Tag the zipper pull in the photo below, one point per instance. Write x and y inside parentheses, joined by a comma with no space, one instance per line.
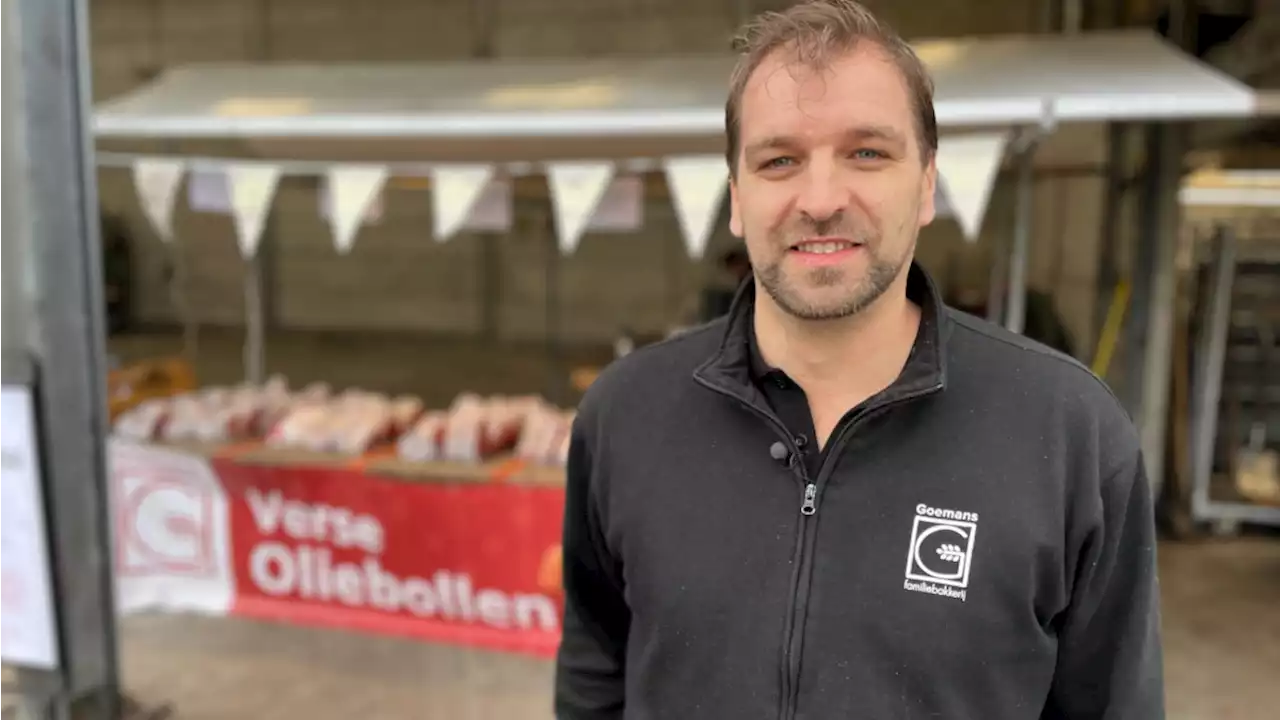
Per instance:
(810,505)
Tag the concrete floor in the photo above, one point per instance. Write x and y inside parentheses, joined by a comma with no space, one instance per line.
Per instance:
(1222,640)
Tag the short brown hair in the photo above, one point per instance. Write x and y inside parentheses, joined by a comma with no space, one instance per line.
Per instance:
(816,29)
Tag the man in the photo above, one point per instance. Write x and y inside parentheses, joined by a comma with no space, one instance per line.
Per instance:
(844,499)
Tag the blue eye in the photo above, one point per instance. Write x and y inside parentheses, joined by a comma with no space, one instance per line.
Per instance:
(776,162)
(866,154)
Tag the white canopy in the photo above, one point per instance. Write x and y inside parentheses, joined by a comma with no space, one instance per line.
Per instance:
(581,121)
(980,82)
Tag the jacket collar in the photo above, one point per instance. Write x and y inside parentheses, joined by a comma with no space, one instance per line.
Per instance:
(730,367)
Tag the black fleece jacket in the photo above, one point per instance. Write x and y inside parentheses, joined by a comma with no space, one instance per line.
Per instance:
(978,543)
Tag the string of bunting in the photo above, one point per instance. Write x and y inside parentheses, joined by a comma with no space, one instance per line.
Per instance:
(585,195)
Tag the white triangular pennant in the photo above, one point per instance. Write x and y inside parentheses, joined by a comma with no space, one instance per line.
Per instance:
(454,191)
(697,186)
(492,211)
(352,190)
(967,166)
(157,181)
(253,186)
(576,189)
(621,207)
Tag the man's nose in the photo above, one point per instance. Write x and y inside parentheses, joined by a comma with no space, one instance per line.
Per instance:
(822,195)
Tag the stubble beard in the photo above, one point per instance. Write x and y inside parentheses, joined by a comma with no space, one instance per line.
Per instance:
(788,293)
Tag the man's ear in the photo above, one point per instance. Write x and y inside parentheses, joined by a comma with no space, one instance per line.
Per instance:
(735,213)
(928,191)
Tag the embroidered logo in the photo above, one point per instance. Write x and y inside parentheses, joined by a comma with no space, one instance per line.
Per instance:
(941,552)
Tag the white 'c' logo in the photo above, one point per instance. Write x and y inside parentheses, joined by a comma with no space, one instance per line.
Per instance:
(168,523)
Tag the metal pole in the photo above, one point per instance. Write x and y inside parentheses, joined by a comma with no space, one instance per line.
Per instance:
(1142,263)
(1161,239)
(1108,276)
(1072,16)
(1167,143)
(19,273)
(1211,350)
(1016,297)
(997,275)
(558,380)
(54,222)
(254,350)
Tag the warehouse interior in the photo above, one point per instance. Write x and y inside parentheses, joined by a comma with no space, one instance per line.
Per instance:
(1146,246)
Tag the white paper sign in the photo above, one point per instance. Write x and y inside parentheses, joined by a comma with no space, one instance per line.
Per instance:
(157,181)
(455,190)
(576,189)
(253,187)
(621,208)
(967,166)
(352,191)
(28,629)
(697,185)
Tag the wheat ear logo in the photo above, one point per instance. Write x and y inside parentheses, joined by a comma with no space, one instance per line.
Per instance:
(941,551)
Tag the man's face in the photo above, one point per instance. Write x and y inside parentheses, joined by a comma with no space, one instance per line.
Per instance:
(830,190)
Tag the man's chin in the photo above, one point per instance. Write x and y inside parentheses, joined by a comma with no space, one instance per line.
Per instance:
(818,305)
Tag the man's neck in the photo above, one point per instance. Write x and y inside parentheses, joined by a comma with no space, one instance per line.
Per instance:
(853,357)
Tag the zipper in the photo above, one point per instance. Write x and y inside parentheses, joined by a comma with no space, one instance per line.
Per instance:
(810,504)
(802,578)
(797,604)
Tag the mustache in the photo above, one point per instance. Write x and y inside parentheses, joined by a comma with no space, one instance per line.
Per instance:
(837,226)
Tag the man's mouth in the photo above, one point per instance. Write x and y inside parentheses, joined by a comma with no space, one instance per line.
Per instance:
(825,246)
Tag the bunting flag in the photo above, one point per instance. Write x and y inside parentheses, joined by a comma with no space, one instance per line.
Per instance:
(967,167)
(253,187)
(455,189)
(621,208)
(352,192)
(576,189)
(585,196)
(157,181)
(493,211)
(697,185)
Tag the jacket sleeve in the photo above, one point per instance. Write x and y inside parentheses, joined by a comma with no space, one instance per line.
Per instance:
(1110,664)
(589,682)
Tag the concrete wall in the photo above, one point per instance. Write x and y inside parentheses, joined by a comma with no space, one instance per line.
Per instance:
(397,279)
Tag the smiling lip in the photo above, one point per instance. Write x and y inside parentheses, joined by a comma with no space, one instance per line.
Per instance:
(824,250)
(825,246)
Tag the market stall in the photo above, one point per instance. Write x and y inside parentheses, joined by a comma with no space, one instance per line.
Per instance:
(343,508)
(348,510)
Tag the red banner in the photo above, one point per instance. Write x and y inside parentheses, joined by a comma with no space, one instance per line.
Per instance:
(474,563)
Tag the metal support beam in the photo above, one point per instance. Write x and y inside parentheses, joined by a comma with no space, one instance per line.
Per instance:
(1108,276)
(255,336)
(1160,243)
(1015,310)
(1166,146)
(53,210)
(1211,351)
(1072,16)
